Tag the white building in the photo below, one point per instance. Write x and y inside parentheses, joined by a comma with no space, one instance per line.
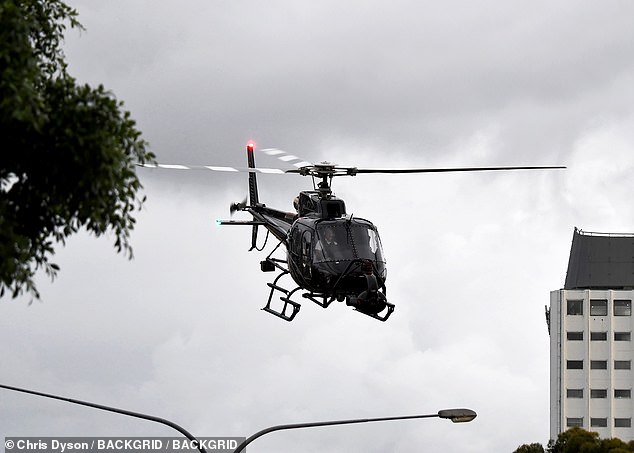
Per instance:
(591,349)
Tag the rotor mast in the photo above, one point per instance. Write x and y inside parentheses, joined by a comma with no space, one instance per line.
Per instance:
(324,171)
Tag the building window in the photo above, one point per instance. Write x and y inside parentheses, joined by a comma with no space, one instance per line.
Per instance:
(574,336)
(598,307)
(574,364)
(622,336)
(622,393)
(598,393)
(598,364)
(622,364)
(622,308)
(599,422)
(576,421)
(622,422)
(575,307)
(598,336)
(574,393)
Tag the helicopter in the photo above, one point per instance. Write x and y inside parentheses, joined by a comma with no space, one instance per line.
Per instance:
(330,255)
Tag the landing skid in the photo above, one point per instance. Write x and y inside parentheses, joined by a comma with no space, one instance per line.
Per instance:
(290,308)
(324,302)
(386,314)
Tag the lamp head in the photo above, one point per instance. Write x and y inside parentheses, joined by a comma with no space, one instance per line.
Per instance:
(458,415)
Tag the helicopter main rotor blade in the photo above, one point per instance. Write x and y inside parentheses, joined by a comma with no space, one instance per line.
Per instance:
(285,157)
(334,170)
(326,169)
(215,168)
(282,156)
(448,170)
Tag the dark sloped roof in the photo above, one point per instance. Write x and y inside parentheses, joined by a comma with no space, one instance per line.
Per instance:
(600,261)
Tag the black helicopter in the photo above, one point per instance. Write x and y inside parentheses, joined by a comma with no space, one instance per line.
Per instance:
(330,255)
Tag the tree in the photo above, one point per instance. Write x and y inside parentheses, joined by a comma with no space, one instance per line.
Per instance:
(575,440)
(530,448)
(69,150)
(578,440)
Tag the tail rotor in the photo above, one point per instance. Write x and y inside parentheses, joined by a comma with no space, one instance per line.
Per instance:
(237,206)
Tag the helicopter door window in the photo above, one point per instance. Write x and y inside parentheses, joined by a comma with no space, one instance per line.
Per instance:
(307,239)
(296,243)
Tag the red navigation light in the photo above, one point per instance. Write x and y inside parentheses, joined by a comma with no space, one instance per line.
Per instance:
(250,146)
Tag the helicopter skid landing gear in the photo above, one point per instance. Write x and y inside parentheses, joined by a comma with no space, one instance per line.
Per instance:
(324,302)
(389,308)
(286,298)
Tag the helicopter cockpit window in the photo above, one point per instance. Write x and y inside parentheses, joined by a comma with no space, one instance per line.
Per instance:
(375,244)
(346,241)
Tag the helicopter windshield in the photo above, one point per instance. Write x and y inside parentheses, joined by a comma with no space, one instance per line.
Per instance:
(346,241)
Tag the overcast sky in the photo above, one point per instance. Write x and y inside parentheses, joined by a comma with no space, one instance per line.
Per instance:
(178,331)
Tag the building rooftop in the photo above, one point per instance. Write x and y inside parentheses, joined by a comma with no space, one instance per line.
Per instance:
(600,261)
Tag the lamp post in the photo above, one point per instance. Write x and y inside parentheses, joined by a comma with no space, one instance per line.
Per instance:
(151,418)
(455,415)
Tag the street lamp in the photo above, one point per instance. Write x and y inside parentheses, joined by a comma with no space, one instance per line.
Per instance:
(455,415)
(458,415)
(151,418)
